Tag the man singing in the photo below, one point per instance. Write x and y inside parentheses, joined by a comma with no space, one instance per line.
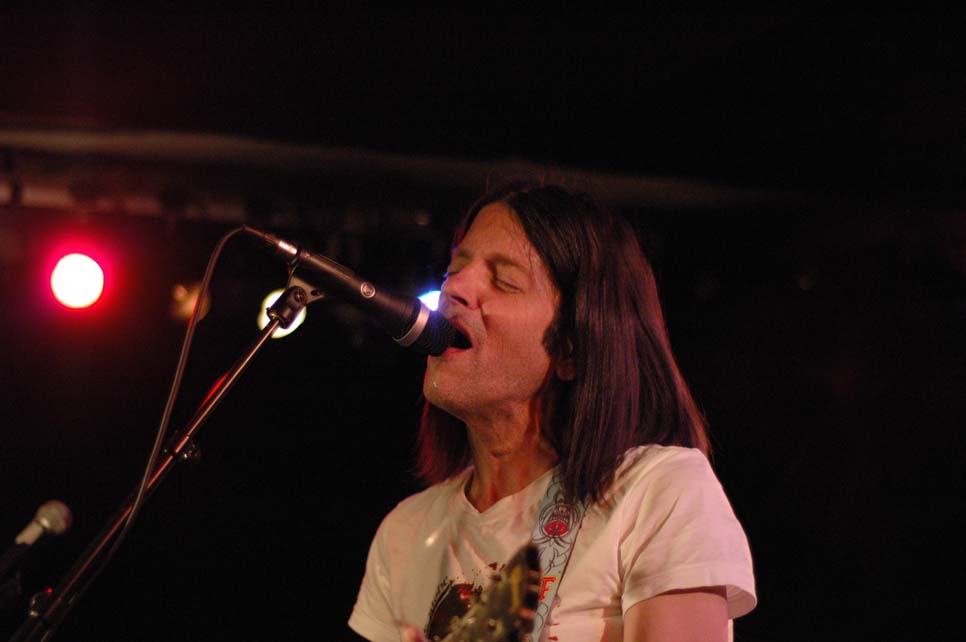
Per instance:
(563,420)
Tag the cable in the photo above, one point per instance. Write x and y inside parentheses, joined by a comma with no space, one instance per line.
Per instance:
(166,415)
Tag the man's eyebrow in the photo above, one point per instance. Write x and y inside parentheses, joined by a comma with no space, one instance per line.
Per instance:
(497,258)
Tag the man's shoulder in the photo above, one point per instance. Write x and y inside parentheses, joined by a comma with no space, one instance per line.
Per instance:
(660,466)
(656,459)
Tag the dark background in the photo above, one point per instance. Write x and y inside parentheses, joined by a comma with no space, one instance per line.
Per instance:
(797,179)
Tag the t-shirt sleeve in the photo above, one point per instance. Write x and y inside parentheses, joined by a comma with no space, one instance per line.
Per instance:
(372,616)
(679,531)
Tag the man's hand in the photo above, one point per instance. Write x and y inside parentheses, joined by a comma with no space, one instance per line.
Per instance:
(412,634)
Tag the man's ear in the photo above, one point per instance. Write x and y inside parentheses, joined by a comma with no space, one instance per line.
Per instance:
(565,368)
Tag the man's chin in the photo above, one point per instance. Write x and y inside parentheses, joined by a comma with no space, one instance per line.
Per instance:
(442,396)
(436,395)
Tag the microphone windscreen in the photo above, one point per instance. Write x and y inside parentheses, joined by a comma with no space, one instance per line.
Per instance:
(55,517)
(436,337)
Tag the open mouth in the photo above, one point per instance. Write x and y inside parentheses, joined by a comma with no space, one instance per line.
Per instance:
(461,341)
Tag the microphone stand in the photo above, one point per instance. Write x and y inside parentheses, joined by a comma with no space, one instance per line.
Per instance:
(49,607)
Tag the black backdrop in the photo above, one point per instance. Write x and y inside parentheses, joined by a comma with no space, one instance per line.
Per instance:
(823,337)
(832,379)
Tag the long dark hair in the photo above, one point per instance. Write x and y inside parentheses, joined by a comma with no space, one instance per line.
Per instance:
(626,388)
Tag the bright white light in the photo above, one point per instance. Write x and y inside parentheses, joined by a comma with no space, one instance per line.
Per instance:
(77,281)
(263,316)
(431,299)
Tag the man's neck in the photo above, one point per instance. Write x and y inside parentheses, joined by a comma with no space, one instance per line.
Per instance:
(506,460)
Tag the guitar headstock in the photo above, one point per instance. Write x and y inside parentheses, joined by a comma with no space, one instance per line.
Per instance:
(504,610)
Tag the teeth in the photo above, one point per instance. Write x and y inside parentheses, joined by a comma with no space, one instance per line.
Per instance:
(461,341)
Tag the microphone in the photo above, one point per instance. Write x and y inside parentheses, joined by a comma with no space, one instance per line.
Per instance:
(408,320)
(52,517)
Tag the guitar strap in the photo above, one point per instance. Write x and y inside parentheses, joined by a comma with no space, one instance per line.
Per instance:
(554,535)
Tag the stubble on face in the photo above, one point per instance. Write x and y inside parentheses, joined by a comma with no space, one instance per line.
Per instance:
(500,292)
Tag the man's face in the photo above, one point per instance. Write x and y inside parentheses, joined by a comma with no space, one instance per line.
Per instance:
(499,294)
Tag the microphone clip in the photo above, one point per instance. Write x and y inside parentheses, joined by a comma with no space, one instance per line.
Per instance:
(297,295)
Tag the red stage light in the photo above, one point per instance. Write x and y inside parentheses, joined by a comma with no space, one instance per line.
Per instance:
(77,281)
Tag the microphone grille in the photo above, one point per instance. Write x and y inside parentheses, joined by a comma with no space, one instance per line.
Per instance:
(55,517)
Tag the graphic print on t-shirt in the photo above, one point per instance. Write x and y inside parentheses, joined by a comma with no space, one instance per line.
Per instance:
(453,599)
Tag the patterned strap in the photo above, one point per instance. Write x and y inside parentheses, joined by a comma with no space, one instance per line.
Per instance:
(554,535)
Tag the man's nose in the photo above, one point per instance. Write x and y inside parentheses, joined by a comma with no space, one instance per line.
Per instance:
(461,288)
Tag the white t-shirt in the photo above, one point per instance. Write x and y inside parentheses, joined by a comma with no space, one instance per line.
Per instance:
(667,525)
